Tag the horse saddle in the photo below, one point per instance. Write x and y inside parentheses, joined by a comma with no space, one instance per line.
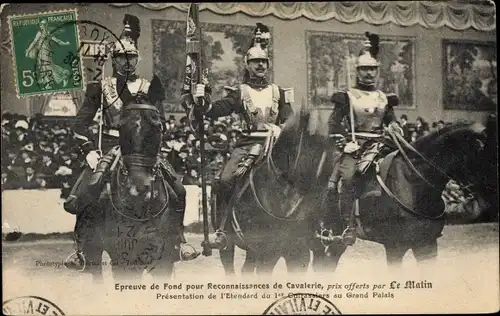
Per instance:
(370,187)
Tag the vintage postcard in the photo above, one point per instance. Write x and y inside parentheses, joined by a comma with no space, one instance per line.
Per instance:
(243,159)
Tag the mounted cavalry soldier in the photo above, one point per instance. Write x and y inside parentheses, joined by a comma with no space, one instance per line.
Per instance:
(262,106)
(361,116)
(108,97)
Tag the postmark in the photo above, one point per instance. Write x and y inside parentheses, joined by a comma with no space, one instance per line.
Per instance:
(95,50)
(30,305)
(40,47)
(302,304)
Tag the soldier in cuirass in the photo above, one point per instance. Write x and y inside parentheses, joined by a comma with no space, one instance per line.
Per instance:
(114,92)
(262,106)
(372,112)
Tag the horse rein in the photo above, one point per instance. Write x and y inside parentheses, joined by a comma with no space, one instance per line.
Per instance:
(143,162)
(398,138)
(279,175)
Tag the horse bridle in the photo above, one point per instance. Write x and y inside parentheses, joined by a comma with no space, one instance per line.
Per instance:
(280,175)
(399,138)
(140,161)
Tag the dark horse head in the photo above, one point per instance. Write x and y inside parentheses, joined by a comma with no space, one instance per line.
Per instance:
(141,135)
(300,151)
(276,211)
(466,152)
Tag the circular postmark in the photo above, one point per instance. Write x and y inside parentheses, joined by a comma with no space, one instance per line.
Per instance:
(302,304)
(30,305)
(55,65)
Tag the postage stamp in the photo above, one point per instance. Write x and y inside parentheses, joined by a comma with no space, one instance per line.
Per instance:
(43,46)
(302,304)
(30,305)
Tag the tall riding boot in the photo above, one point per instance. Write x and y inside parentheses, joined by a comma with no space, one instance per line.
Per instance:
(83,235)
(349,234)
(186,251)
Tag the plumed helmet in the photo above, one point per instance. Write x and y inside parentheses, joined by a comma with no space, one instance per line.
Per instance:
(368,55)
(260,42)
(128,39)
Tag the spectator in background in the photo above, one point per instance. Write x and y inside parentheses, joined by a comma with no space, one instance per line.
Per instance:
(24,160)
(9,180)
(191,178)
(404,126)
(434,127)
(413,136)
(184,161)
(420,126)
(49,168)
(66,186)
(440,125)
(20,137)
(426,131)
(29,180)
(40,179)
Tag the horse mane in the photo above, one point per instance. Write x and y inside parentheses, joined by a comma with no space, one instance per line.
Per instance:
(437,136)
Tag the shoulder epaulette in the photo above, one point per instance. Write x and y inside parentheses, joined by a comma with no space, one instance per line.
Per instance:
(289,95)
(340,98)
(392,99)
(229,88)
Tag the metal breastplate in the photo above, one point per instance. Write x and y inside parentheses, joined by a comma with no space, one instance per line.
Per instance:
(112,102)
(369,109)
(261,105)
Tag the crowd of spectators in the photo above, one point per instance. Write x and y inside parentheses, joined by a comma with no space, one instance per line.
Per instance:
(40,153)
(413,131)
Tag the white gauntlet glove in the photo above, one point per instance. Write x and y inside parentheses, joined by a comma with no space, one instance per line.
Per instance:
(395,128)
(201,93)
(92,159)
(351,147)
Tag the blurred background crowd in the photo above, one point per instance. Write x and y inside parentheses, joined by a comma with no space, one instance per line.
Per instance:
(40,154)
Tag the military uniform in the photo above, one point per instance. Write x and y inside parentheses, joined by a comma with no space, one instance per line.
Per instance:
(373,111)
(114,92)
(262,107)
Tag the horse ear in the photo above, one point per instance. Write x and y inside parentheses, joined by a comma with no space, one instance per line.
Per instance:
(156,92)
(305,114)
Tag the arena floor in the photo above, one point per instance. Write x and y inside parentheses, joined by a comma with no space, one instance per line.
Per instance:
(465,278)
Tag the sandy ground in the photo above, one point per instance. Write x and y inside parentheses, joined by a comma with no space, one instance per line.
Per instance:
(464,279)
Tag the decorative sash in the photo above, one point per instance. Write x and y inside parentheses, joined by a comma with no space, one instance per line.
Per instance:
(110,93)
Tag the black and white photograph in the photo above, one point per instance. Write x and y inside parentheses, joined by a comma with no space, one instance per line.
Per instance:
(281,158)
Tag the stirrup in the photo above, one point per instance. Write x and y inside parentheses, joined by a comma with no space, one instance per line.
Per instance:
(80,256)
(349,236)
(182,247)
(220,235)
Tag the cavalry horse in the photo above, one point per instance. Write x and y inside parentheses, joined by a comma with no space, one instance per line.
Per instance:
(134,209)
(273,209)
(410,213)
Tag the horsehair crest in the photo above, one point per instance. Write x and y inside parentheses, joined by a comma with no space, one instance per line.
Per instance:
(372,43)
(262,36)
(132,28)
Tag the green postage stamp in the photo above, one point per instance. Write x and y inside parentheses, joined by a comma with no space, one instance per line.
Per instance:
(45,50)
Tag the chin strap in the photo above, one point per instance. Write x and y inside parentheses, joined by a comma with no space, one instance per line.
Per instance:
(256,82)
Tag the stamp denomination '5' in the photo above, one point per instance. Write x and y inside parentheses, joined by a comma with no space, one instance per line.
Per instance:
(41,44)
